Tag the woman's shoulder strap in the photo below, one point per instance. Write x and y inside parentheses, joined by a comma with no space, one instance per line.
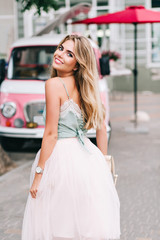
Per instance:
(64,87)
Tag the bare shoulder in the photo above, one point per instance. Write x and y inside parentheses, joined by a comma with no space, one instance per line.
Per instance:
(52,90)
(53,83)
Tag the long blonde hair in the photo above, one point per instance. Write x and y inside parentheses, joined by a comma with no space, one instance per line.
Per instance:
(86,77)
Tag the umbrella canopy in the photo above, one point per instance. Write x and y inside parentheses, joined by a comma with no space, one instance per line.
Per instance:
(132,14)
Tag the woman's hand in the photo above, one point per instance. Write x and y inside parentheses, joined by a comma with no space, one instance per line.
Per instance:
(35,184)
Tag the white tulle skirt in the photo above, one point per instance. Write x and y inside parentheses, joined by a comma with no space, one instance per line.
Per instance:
(76,199)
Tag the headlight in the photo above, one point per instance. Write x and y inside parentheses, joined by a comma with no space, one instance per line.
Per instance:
(18,122)
(8,109)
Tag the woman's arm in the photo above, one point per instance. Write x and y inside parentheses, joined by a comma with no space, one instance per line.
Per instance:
(101,137)
(52,93)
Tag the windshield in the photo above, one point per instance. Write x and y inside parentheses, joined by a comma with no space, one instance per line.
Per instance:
(31,63)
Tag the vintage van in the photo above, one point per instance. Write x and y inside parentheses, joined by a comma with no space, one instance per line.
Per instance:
(22,91)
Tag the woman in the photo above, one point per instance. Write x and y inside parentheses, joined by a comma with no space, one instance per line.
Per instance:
(72,194)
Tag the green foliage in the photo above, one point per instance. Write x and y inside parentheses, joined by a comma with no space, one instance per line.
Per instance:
(40,5)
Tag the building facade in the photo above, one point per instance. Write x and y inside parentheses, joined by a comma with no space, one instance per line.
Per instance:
(117,37)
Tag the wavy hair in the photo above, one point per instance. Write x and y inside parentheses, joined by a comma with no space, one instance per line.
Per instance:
(86,77)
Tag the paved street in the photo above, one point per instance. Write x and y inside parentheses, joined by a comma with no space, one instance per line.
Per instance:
(137,159)
(138,164)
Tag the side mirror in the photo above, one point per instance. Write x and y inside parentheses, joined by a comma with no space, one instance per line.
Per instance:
(104,65)
(2,70)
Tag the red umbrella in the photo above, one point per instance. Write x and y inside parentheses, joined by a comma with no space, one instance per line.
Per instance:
(135,15)
(132,14)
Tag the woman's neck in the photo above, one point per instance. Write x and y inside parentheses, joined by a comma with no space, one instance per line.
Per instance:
(65,74)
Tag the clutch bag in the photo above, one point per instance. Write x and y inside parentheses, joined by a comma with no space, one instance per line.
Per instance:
(111,164)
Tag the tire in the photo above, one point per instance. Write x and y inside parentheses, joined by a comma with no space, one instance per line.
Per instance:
(93,140)
(12,144)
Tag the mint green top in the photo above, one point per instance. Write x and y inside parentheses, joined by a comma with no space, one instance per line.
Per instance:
(70,122)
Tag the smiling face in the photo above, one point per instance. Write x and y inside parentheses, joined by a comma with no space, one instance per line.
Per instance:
(64,60)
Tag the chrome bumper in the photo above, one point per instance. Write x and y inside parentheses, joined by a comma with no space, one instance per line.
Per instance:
(21,132)
(36,132)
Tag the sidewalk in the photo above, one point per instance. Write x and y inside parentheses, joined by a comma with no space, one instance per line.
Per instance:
(137,159)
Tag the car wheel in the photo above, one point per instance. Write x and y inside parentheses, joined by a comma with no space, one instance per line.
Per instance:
(93,140)
(12,144)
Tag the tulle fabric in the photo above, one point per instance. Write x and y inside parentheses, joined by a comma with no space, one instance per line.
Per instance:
(76,199)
